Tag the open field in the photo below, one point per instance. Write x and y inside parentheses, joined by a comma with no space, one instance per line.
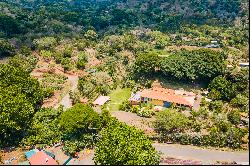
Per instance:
(117,97)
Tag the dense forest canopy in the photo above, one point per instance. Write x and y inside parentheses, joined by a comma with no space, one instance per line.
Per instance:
(57,15)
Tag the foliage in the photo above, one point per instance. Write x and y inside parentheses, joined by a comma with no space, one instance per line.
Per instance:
(82,60)
(46,43)
(234,117)
(85,87)
(6,49)
(66,64)
(27,62)
(241,102)
(219,89)
(9,25)
(76,145)
(105,117)
(145,65)
(53,81)
(125,145)
(19,97)
(216,106)
(202,65)
(24,50)
(79,119)
(146,112)
(125,106)
(67,52)
(229,86)
(44,127)
(74,96)
(169,121)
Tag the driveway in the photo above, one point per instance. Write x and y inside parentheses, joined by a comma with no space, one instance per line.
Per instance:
(66,101)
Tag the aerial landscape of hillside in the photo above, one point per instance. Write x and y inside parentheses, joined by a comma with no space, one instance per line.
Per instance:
(124,82)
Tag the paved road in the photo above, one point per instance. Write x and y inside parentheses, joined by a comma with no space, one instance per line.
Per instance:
(204,155)
(186,152)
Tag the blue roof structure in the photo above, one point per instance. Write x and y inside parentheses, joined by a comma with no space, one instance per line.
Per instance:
(30,153)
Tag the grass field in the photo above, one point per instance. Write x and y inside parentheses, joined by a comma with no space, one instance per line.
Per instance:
(117,97)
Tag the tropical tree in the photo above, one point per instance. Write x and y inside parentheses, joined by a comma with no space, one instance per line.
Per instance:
(145,65)
(120,144)
(20,96)
(79,119)
(170,121)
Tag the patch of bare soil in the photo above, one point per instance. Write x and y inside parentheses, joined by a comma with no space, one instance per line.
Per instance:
(134,120)
(10,153)
(43,67)
(52,101)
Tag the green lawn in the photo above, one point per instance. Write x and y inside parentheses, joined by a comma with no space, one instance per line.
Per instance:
(117,97)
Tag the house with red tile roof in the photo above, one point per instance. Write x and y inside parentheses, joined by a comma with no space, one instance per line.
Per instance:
(41,158)
(165,97)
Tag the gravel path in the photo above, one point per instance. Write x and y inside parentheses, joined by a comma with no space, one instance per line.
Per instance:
(66,101)
(205,155)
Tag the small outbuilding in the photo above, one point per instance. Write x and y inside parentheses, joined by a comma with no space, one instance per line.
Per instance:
(135,98)
(244,64)
(101,100)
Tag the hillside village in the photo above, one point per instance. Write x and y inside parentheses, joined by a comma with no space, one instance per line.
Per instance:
(85,83)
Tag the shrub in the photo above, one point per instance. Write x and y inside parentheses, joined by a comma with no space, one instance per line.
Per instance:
(6,49)
(66,64)
(135,109)
(46,43)
(82,60)
(146,112)
(67,52)
(216,106)
(79,119)
(125,106)
(74,96)
(234,117)
(240,101)
(46,54)
(169,121)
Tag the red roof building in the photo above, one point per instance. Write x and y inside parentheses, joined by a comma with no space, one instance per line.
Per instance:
(41,158)
(165,95)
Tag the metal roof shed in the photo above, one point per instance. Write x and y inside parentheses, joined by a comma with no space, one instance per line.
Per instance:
(101,100)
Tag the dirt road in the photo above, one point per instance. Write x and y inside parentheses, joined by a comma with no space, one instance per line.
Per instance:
(66,101)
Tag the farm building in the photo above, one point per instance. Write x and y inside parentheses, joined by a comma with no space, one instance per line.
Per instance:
(164,97)
(244,64)
(101,100)
(135,98)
